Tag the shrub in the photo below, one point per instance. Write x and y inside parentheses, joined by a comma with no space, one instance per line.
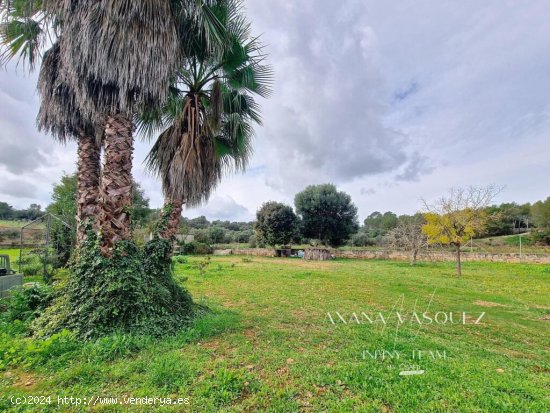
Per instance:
(180,259)
(32,268)
(541,237)
(197,248)
(130,292)
(25,304)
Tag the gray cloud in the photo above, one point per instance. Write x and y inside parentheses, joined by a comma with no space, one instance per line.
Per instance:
(17,157)
(367,191)
(408,98)
(17,188)
(416,167)
(222,208)
(326,120)
(22,148)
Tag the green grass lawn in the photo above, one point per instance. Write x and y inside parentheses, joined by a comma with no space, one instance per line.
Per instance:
(269,345)
(13,254)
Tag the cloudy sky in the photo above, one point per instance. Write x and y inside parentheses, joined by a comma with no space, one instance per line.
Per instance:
(391,101)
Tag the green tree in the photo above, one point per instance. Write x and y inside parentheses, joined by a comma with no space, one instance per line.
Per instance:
(327,214)
(373,221)
(111,65)
(389,221)
(6,211)
(141,212)
(119,59)
(217,235)
(540,211)
(64,205)
(276,224)
(376,225)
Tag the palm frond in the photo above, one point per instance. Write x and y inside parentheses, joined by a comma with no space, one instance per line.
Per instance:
(121,55)
(212,133)
(23,31)
(59,113)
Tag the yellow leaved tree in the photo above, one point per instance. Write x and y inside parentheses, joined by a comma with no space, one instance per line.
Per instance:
(455,218)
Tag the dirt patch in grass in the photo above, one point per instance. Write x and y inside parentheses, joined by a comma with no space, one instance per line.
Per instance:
(545,317)
(251,335)
(24,380)
(489,304)
(211,345)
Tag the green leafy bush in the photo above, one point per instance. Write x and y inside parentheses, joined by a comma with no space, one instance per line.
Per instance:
(541,237)
(130,292)
(197,248)
(27,303)
(32,269)
(180,259)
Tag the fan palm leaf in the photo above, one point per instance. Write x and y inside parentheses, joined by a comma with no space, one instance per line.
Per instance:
(207,130)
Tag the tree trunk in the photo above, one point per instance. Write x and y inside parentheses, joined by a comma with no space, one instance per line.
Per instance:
(115,191)
(458,263)
(89,168)
(173,220)
(413,256)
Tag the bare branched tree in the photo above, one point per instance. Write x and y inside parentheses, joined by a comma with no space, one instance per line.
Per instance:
(408,236)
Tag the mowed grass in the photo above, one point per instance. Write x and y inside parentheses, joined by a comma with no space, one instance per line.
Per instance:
(13,253)
(269,345)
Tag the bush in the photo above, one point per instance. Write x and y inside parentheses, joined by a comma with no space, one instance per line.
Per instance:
(217,235)
(243,237)
(541,237)
(180,259)
(31,269)
(25,304)
(130,292)
(361,239)
(202,235)
(197,248)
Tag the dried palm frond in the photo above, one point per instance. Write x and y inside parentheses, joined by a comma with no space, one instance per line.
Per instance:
(185,153)
(120,54)
(59,113)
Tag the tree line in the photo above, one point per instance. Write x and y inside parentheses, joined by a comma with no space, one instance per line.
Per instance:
(323,215)
(9,213)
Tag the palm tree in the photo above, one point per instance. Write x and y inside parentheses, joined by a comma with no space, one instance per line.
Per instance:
(23,30)
(61,117)
(23,33)
(118,59)
(209,115)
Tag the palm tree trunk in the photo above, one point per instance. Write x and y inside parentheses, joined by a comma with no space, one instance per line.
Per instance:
(115,191)
(175,206)
(89,168)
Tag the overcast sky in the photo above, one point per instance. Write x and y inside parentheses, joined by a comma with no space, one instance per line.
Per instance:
(391,101)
